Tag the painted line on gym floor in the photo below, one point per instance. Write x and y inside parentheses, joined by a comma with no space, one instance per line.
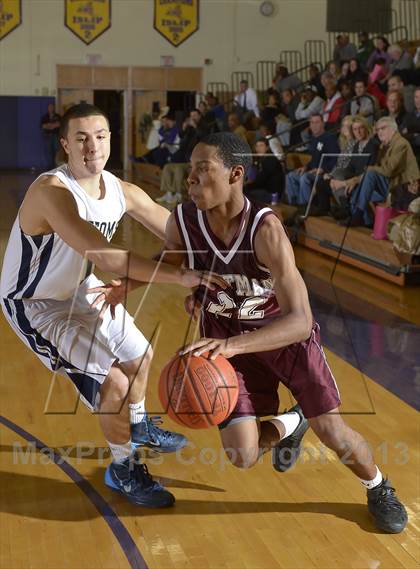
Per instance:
(134,557)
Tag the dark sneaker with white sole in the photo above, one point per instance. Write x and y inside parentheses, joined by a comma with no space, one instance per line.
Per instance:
(148,434)
(389,513)
(132,479)
(286,452)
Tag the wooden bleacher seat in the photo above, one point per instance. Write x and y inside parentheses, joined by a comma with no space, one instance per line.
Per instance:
(356,247)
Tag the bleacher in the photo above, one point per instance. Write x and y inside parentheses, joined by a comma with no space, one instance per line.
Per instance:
(354,246)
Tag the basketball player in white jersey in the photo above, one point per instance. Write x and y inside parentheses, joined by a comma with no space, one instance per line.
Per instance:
(63,228)
(263,323)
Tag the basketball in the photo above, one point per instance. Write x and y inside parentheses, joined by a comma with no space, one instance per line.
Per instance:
(197,392)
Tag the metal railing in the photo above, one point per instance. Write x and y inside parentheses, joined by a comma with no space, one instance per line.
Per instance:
(238,76)
(303,72)
(265,73)
(315,50)
(409,16)
(292,59)
(398,34)
(220,90)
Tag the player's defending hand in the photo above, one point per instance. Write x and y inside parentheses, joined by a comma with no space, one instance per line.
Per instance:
(111,294)
(215,347)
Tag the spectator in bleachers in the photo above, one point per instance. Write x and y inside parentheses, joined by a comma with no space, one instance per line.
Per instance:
(344,50)
(400,59)
(287,118)
(379,72)
(271,110)
(235,126)
(365,48)
(208,117)
(246,103)
(396,85)
(396,165)
(310,103)
(363,104)
(375,90)
(218,110)
(50,125)
(363,148)
(168,142)
(347,94)
(333,105)
(356,73)
(203,107)
(172,182)
(380,52)
(395,107)
(267,132)
(194,129)
(344,73)
(268,184)
(346,141)
(299,182)
(315,79)
(334,69)
(410,127)
(286,80)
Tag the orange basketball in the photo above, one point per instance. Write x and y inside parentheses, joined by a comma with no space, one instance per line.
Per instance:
(197,392)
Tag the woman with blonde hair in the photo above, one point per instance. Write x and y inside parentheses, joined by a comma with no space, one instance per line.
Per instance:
(358,150)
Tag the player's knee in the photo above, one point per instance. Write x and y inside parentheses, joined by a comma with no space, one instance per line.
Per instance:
(140,364)
(242,458)
(116,385)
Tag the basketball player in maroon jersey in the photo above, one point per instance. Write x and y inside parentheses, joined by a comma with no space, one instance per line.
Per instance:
(263,323)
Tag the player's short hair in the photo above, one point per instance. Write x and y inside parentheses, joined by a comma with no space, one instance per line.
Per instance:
(232,149)
(78,112)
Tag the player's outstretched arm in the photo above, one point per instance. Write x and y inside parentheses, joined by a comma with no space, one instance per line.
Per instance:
(59,212)
(143,209)
(273,250)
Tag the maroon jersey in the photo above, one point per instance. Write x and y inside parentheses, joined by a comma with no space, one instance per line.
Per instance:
(249,301)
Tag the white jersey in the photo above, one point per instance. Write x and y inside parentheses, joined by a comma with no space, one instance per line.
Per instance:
(44,266)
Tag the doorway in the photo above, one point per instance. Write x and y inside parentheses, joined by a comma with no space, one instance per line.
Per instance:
(180,102)
(112,104)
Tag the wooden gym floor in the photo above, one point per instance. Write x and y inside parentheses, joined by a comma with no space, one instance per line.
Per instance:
(56,511)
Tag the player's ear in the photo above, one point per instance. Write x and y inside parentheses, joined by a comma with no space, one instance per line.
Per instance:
(236,174)
(64,144)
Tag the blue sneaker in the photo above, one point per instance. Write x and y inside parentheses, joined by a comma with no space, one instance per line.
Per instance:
(148,434)
(286,452)
(132,479)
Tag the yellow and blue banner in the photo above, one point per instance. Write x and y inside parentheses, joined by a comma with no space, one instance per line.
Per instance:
(176,20)
(10,16)
(88,19)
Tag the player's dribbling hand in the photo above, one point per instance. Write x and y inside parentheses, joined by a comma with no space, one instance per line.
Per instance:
(192,307)
(215,347)
(111,294)
(192,279)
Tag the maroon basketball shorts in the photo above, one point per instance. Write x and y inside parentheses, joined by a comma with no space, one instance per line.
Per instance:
(301,367)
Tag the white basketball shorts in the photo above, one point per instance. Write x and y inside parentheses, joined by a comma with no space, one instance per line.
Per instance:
(69,337)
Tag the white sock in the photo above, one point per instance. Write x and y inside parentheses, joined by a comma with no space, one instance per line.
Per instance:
(137,411)
(120,452)
(369,484)
(290,421)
